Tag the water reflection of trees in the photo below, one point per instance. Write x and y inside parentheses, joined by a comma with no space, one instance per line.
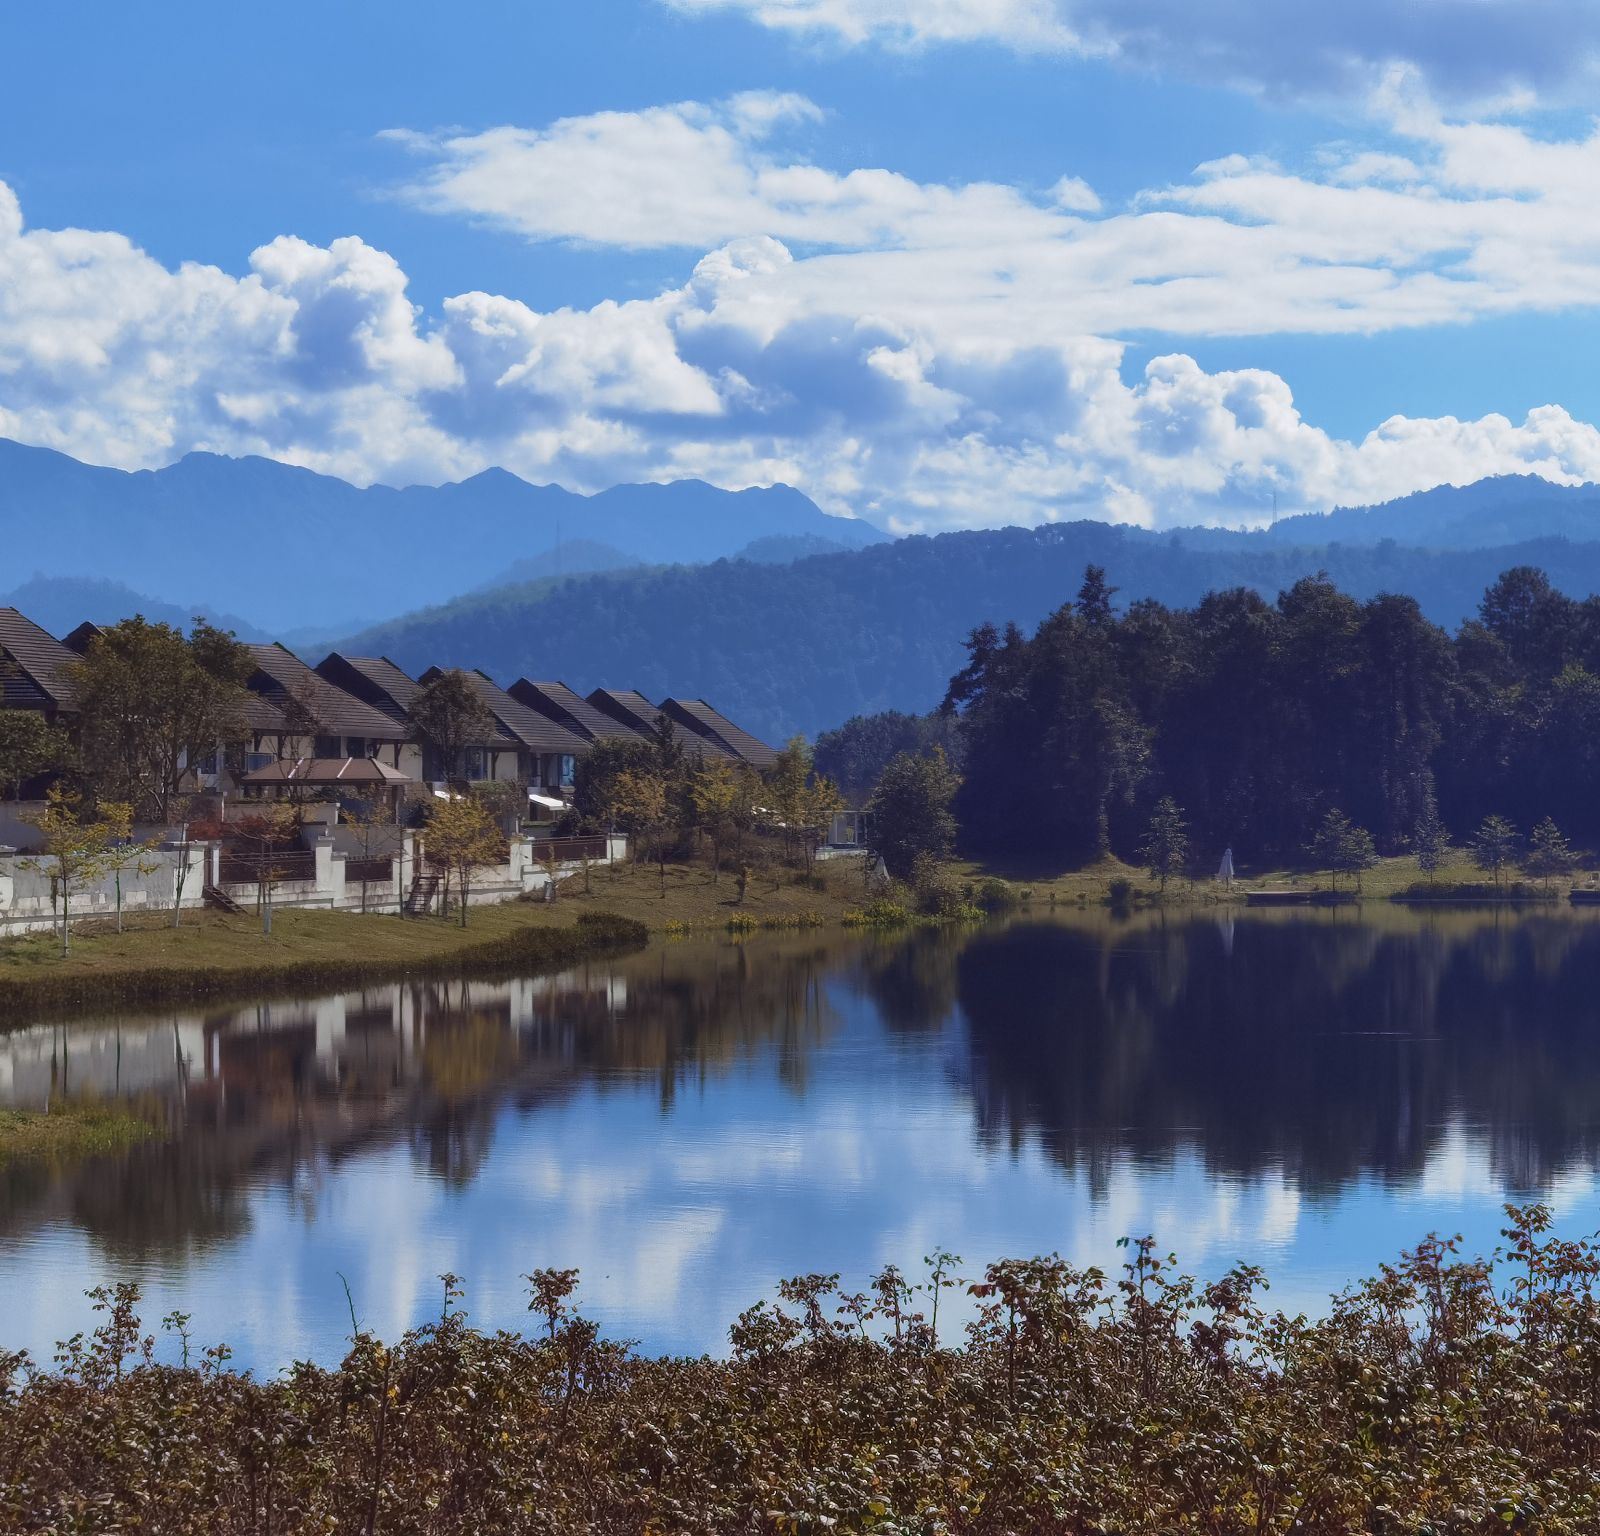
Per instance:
(272,1091)
(1328,1048)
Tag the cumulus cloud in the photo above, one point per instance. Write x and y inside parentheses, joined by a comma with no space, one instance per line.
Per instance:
(927,356)
(1465,49)
(693,175)
(1476,219)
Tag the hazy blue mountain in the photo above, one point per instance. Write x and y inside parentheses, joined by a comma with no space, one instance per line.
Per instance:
(293,548)
(61,603)
(572,557)
(801,647)
(1506,509)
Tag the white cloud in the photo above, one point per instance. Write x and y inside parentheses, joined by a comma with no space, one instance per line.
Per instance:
(1465,49)
(929,356)
(1479,219)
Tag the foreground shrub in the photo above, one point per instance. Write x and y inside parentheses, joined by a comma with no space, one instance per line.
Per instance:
(1443,1396)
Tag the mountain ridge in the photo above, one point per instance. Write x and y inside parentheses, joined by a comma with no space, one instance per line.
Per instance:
(801,647)
(292,547)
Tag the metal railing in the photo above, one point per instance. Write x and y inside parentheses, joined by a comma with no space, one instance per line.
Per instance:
(278,865)
(569,850)
(369,871)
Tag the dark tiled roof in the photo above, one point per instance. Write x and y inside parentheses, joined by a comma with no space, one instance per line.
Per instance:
(715,727)
(78,640)
(560,703)
(632,709)
(37,677)
(534,731)
(280,673)
(375,680)
(263,717)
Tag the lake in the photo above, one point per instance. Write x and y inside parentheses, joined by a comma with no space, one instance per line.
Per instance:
(1307,1091)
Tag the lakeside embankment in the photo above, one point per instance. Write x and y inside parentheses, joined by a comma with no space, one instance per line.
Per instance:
(213,956)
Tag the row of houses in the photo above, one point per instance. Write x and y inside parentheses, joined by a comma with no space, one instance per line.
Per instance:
(345,724)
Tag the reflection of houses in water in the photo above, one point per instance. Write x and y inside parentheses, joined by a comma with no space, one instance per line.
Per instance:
(357,1043)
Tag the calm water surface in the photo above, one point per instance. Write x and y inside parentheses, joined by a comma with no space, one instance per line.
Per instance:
(687,1126)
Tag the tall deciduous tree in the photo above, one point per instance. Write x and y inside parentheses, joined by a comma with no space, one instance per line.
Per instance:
(725,796)
(79,844)
(644,810)
(151,703)
(448,717)
(461,838)
(911,811)
(29,746)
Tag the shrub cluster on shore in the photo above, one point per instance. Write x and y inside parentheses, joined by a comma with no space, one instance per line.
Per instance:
(1443,1396)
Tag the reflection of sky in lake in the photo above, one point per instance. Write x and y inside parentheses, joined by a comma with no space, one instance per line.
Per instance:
(680,1216)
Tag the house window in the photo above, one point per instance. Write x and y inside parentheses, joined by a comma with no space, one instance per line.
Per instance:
(207,764)
(569,771)
(254,760)
(475,763)
(325,746)
(357,746)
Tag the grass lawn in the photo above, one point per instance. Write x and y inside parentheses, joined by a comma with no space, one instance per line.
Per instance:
(1092,883)
(694,900)
(68,1131)
(212,954)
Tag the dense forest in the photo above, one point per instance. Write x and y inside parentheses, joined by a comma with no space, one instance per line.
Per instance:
(786,648)
(1260,717)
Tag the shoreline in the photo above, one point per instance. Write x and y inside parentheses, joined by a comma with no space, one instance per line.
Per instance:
(287,969)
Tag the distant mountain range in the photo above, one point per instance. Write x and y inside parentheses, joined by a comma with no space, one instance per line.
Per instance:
(801,647)
(291,548)
(1507,509)
(787,618)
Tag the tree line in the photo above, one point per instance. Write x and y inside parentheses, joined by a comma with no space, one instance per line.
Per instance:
(1261,720)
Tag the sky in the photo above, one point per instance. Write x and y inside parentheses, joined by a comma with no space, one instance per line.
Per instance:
(938,263)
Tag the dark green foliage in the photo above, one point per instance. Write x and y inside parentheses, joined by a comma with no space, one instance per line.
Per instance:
(1548,854)
(1259,718)
(1429,839)
(1342,848)
(594,782)
(1165,849)
(29,746)
(911,812)
(1495,847)
(855,754)
(1445,1395)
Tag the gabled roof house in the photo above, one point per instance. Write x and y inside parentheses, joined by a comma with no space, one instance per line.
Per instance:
(568,708)
(547,750)
(711,725)
(342,724)
(34,667)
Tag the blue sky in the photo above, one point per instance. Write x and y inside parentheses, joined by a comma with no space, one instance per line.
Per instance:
(941,264)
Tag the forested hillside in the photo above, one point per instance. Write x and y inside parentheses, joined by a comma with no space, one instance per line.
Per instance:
(802,647)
